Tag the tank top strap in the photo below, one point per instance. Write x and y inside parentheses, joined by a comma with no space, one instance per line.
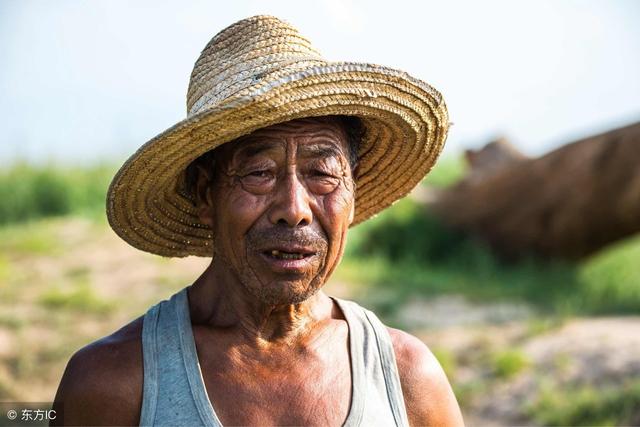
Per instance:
(372,340)
(389,369)
(150,366)
(191,362)
(173,390)
(357,338)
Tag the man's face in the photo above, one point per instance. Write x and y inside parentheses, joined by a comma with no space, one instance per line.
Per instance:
(283,199)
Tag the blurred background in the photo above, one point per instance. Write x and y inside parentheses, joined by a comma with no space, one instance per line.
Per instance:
(517,260)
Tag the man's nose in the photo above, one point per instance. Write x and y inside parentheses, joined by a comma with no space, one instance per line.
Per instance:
(292,203)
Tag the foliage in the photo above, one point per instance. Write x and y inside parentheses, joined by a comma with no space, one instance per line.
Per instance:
(407,233)
(588,405)
(447,360)
(81,299)
(405,248)
(29,239)
(446,172)
(30,191)
(409,250)
(611,278)
(509,363)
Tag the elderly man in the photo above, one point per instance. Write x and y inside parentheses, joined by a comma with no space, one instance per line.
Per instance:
(280,154)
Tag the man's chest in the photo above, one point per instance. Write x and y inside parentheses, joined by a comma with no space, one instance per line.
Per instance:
(289,389)
(280,399)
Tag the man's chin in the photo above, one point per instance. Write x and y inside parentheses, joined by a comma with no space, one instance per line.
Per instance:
(284,293)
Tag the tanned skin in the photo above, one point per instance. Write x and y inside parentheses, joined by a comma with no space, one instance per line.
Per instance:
(264,329)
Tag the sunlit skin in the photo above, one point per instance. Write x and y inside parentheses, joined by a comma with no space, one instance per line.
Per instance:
(285,188)
(272,346)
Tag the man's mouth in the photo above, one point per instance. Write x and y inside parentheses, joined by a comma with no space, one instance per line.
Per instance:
(282,254)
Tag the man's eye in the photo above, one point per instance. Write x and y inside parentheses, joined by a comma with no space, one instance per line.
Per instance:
(258,174)
(259,181)
(322,174)
(321,181)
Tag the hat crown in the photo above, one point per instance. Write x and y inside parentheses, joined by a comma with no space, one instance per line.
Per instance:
(242,55)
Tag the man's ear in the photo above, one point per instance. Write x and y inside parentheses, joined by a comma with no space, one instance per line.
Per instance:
(204,201)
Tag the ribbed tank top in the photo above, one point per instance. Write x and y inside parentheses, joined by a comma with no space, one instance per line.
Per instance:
(174,393)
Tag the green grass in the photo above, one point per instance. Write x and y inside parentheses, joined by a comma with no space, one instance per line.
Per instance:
(5,269)
(509,363)
(611,278)
(541,325)
(78,274)
(81,299)
(466,392)
(405,250)
(411,252)
(11,322)
(588,405)
(29,239)
(30,192)
(446,172)
(447,361)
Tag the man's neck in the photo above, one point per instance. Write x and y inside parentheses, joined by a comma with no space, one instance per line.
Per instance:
(218,300)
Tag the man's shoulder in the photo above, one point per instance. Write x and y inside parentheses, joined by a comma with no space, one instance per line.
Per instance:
(413,356)
(102,383)
(115,353)
(427,393)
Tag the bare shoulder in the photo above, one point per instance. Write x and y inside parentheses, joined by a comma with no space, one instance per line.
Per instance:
(427,393)
(102,383)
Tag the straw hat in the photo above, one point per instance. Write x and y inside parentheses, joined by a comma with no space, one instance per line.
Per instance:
(255,73)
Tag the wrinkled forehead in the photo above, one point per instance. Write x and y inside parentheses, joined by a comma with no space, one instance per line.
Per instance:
(311,137)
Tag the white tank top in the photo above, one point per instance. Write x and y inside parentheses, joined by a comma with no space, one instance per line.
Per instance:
(174,393)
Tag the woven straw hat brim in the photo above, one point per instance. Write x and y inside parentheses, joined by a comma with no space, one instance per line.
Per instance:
(406,126)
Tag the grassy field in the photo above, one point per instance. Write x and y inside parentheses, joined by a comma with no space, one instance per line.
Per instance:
(65,280)
(409,250)
(30,192)
(405,247)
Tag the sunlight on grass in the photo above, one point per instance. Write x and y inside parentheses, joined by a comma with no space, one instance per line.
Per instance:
(509,363)
(612,278)
(29,192)
(81,299)
(5,270)
(447,361)
(37,238)
(448,171)
(412,252)
(543,325)
(587,405)
(11,322)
